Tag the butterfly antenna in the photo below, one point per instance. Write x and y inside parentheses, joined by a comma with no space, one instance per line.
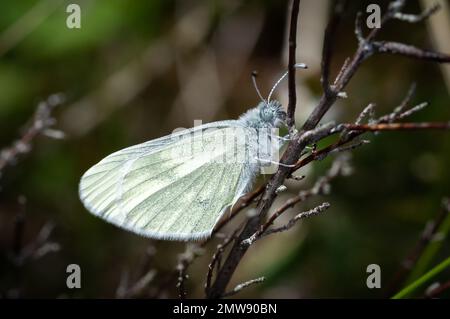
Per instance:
(297,66)
(254,75)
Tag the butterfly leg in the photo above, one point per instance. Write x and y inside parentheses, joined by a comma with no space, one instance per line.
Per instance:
(282,138)
(273,162)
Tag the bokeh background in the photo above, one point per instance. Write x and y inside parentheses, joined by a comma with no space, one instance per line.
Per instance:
(138,69)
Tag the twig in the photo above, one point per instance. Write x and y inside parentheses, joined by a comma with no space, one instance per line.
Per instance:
(121,290)
(409,51)
(40,122)
(124,292)
(315,135)
(303,215)
(244,285)
(39,247)
(319,188)
(216,258)
(366,48)
(349,147)
(267,231)
(395,126)
(341,71)
(358,29)
(348,135)
(402,107)
(46,248)
(413,110)
(184,260)
(291,64)
(351,130)
(328,44)
(415,18)
(145,276)
(366,112)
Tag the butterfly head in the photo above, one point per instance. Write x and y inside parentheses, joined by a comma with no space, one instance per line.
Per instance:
(272,113)
(265,115)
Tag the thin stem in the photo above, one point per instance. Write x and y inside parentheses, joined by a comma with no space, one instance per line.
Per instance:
(328,44)
(291,64)
(242,286)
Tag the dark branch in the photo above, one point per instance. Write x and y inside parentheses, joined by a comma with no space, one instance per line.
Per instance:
(215,261)
(328,44)
(291,64)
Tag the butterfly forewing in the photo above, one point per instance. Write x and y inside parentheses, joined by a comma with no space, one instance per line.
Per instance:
(172,188)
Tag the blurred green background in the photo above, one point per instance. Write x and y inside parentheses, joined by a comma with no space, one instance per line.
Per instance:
(136,70)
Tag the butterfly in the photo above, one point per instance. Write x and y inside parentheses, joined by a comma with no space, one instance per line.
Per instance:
(178,187)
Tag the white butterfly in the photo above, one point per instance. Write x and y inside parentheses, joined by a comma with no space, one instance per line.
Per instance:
(177,187)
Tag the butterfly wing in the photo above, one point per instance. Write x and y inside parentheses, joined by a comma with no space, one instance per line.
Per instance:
(176,187)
